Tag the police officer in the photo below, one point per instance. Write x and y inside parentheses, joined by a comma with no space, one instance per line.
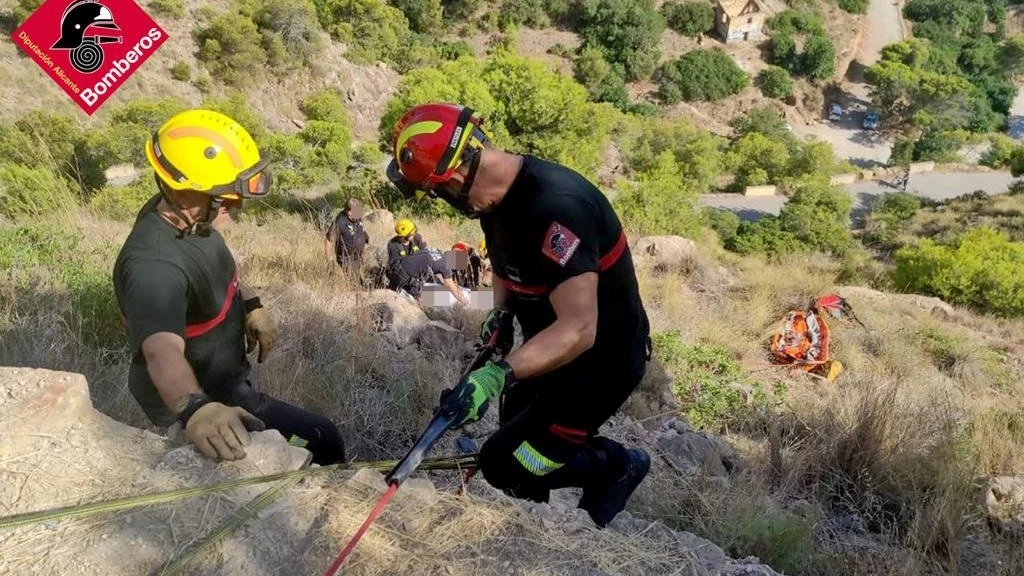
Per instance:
(346,239)
(563,268)
(177,287)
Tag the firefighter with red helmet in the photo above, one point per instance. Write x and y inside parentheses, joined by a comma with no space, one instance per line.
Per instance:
(563,268)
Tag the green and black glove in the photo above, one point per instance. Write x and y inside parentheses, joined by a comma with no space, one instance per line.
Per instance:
(498,319)
(468,401)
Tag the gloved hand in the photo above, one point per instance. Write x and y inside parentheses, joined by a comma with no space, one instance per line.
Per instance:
(498,319)
(220,431)
(467,402)
(260,329)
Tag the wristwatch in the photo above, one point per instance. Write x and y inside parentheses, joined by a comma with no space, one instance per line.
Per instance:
(195,402)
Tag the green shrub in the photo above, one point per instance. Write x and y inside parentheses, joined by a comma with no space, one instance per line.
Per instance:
(171,8)
(563,51)
(757,159)
(230,48)
(691,18)
(887,218)
(459,10)
(710,383)
(981,269)
(782,52)
(701,75)
(659,201)
(818,60)
(290,31)
(453,50)
(725,223)
(424,16)
(34,192)
(627,31)
(1001,152)
(815,219)
(775,82)
(699,154)
(795,21)
(523,13)
(123,202)
(22,9)
(181,71)
(604,82)
(371,29)
(854,6)
(765,120)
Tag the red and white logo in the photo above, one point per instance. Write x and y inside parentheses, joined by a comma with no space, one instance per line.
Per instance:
(89,47)
(559,243)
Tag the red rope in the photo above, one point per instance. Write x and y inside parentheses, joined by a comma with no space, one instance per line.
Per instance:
(362,530)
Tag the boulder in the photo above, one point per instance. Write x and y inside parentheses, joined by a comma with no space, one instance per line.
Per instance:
(691,452)
(653,400)
(1004,503)
(380,226)
(928,303)
(665,253)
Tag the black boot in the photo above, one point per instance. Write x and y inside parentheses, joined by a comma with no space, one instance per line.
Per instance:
(603,502)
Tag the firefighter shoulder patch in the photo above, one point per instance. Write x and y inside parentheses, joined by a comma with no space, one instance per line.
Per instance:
(559,243)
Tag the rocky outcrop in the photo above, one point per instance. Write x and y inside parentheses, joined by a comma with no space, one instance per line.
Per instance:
(692,452)
(1004,503)
(665,253)
(56,450)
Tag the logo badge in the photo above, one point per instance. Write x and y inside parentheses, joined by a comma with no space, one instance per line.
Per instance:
(89,47)
(560,243)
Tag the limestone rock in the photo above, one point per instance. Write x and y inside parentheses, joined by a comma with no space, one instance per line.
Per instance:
(653,399)
(665,253)
(380,226)
(692,452)
(1004,503)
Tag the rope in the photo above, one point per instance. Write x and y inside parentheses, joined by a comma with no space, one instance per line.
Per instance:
(129,502)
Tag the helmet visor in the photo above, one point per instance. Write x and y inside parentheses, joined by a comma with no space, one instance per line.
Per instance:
(408,190)
(250,184)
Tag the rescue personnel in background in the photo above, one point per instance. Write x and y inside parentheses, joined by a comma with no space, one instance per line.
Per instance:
(564,270)
(189,322)
(411,264)
(346,239)
(485,264)
(467,265)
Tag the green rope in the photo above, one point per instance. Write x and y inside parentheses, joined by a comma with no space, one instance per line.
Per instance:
(235,521)
(118,504)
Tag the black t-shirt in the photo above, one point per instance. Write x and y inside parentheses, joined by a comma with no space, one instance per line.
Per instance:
(553,225)
(398,249)
(187,285)
(349,238)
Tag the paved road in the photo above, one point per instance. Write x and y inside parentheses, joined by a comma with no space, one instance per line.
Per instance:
(934,185)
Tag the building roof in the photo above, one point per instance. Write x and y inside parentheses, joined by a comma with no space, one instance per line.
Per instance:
(736,7)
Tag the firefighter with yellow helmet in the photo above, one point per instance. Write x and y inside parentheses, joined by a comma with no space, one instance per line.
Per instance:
(189,325)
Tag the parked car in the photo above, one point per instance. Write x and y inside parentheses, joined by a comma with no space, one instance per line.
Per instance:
(835,112)
(871,120)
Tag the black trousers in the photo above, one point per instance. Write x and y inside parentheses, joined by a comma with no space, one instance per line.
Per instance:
(548,435)
(298,425)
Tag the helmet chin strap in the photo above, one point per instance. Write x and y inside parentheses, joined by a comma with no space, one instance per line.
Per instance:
(201,228)
(461,201)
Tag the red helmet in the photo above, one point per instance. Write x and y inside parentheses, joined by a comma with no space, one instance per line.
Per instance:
(461,246)
(429,142)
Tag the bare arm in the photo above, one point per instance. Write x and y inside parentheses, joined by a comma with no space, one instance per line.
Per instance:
(170,371)
(454,289)
(571,334)
(500,293)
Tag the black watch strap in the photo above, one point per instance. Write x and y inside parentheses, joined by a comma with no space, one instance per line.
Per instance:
(510,376)
(252,304)
(195,402)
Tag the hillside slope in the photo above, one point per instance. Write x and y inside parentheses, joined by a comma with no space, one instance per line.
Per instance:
(57,451)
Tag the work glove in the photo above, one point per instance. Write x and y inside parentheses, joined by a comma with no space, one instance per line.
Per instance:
(260,329)
(498,319)
(467,402)
(221,432)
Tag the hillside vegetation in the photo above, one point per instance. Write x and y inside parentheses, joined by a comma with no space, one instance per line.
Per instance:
(877,473)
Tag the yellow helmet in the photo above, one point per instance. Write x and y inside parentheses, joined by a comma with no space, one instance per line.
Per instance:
(404,227)
(208,152)
(482,246)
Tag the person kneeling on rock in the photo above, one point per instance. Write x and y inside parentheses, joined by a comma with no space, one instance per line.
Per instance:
(177,288)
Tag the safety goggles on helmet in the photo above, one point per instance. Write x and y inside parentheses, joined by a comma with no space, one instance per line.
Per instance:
(253,182)
(456,154)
